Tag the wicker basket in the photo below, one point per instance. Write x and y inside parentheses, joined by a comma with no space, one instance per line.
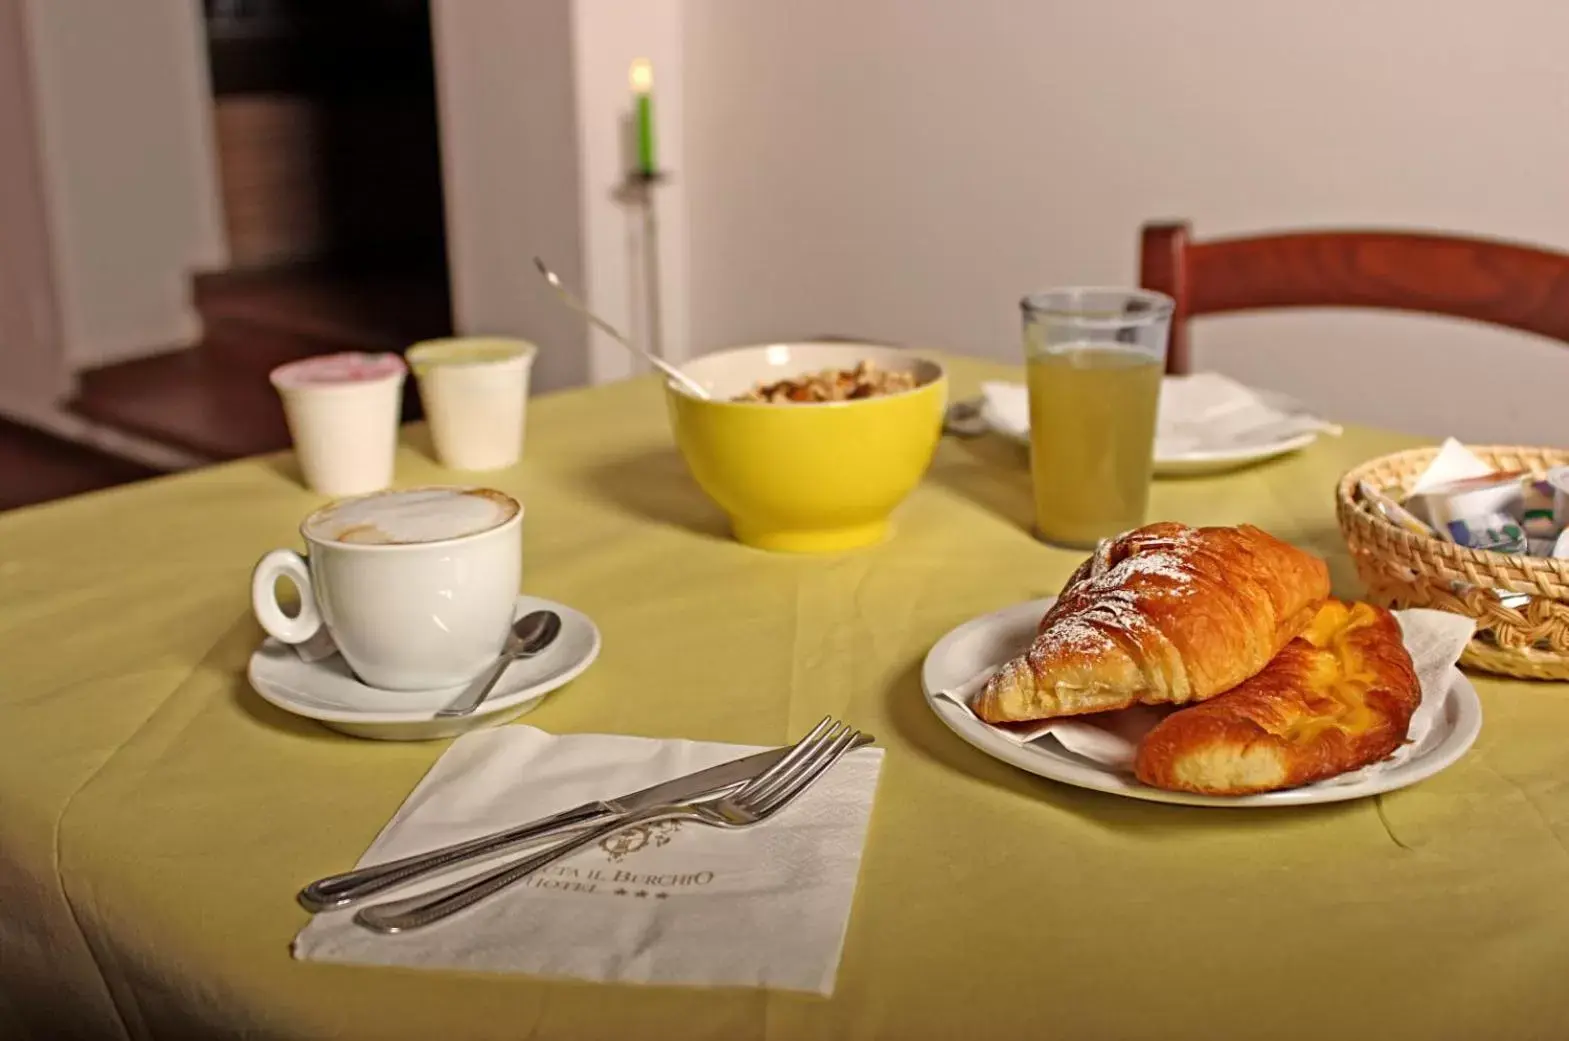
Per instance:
(1516,636)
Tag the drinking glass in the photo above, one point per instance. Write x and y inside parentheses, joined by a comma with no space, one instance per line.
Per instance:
(1094,359)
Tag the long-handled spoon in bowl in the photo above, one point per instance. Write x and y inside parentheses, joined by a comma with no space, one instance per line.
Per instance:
(686,382)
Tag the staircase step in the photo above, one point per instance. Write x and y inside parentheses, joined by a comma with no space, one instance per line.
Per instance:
(200,399)
(214,399)
(39,467)
(189,399)
(360,311)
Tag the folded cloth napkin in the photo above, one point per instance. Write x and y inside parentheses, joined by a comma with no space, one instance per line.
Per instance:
(673,903)
(1434,640)
(1199,414)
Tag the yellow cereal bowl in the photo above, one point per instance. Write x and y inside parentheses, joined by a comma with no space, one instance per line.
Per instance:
(807,478)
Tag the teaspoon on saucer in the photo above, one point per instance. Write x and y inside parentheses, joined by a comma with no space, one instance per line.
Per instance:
(530,635)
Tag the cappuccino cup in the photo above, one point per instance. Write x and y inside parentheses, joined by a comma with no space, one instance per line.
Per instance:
(416,587)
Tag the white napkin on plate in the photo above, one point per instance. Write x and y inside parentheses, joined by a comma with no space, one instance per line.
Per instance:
(1199,414)
(1434,640)
(765,906)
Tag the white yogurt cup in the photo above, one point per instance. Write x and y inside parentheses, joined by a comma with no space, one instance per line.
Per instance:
(342,411)
(475,393)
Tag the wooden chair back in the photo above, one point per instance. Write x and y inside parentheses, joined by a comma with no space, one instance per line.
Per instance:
(1500,283)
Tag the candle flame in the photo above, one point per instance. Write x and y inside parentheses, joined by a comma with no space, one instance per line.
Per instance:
(642,76)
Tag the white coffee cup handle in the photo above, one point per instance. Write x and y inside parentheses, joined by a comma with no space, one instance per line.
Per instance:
(284,563)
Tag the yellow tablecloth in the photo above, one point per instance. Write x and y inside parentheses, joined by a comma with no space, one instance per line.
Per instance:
(156,817)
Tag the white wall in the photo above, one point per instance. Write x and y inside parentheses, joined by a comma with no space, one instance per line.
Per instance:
(510,172)
(609,35)
(533,97)
(34,365)
(124,113)
(907,169)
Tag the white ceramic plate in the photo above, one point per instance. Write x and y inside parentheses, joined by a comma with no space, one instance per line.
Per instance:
(994,638)
(1193,464)
(1184,464)
(327,691)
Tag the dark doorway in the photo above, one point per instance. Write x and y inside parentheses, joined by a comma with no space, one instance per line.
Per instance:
(329,170)
(330,164)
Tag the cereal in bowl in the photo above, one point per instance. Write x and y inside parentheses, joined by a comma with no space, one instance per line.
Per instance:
(863,381)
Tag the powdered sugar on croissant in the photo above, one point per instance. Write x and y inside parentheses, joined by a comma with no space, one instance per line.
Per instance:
(1165,614)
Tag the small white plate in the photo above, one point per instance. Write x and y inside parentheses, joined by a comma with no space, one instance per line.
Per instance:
(996,637)
(1193,464)
(1183,464)
(328,692)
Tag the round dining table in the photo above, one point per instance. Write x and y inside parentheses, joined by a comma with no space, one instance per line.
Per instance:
(157,817)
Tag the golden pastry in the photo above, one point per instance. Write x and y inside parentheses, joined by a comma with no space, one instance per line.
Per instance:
(1165,614)
(1337,698)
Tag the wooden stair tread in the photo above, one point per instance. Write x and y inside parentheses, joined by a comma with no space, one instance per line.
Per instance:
(188,399)
(374,311)
(214,399)
(197,400)
(39,467)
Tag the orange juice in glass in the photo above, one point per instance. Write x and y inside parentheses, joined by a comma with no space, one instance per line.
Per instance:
(1093,361)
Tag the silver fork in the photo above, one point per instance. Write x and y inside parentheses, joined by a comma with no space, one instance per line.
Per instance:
(752,803)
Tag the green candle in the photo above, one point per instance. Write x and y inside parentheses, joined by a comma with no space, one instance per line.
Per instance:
(643,86)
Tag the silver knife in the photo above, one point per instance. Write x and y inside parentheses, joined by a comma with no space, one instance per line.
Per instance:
(335,891)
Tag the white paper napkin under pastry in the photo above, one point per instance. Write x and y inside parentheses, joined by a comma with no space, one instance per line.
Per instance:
(1199,413)
(1434,640)
(766,906)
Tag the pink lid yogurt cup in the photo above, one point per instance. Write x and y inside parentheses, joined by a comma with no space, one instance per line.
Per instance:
(342,412)
(328,370)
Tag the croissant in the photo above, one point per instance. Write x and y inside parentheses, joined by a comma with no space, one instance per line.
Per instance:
(1338,697)
(1164,614)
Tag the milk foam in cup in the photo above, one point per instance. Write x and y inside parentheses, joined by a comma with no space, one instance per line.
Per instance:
(475,394)
(342,411)
(411,517)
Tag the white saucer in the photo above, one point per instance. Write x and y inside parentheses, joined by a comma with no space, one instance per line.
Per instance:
(1192,464)
(996,637)
(327,691)
(1181,463)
